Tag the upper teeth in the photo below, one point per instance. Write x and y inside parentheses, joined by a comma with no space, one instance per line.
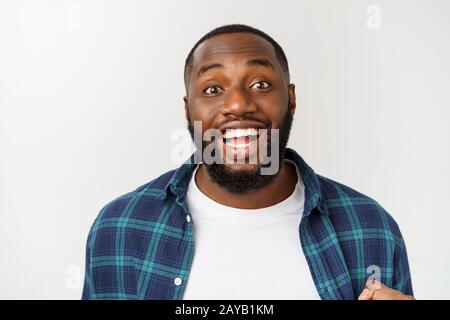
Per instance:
(237,133)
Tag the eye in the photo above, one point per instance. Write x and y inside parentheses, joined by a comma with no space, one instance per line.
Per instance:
(260,85)
(212,90)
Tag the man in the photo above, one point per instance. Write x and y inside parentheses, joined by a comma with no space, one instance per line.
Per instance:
(224,230)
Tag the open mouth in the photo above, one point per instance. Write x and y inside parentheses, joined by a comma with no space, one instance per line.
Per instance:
(240,138)
(242,144)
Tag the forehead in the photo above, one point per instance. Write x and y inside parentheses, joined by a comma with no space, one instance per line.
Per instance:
(233,46)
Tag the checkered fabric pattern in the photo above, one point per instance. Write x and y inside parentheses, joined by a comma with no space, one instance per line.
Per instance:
(141,245)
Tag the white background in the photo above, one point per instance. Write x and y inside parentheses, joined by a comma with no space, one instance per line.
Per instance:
(91,92)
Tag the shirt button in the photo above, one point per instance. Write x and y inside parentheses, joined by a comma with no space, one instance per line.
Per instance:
(188,218)
(178,281)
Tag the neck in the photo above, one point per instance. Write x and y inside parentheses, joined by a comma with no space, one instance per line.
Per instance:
(281,188)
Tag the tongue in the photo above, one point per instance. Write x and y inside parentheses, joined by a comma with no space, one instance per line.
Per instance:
(241,140)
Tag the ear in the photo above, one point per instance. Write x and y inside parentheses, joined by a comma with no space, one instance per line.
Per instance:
(292,99)
(186,106)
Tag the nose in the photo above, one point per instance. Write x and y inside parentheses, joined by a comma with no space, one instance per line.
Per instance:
(238,103)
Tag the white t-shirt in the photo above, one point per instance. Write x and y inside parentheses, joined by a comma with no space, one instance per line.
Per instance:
(248,253)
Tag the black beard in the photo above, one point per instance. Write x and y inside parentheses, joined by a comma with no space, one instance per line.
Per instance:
(245,181)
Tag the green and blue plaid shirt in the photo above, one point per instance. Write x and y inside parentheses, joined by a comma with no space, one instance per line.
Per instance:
(141,245)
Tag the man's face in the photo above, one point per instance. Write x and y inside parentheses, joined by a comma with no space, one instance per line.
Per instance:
(237,82)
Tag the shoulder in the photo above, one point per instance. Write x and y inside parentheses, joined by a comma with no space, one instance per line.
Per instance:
(139,206)
(144,195)
(351,210)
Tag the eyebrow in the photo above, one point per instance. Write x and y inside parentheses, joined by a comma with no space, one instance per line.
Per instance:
(253,62)
(260,62)
(207,67)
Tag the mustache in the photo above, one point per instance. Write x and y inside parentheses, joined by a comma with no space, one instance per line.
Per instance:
(249,121)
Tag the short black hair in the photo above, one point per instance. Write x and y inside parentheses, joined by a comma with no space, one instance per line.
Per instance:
(237,28)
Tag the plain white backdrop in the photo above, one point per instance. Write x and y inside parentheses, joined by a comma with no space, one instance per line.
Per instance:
(91,93)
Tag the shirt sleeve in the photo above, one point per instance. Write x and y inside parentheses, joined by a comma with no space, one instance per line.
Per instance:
(88,288)
(402,275)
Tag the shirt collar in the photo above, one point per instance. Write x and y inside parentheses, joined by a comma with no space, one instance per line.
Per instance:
(179,182)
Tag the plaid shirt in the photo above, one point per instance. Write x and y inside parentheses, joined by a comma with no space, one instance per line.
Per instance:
(141,245)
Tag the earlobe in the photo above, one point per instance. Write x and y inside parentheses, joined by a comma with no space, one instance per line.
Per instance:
(186,104)
(186,107)
(292,98)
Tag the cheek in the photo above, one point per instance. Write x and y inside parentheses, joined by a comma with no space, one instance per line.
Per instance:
(275,111)
(203,113)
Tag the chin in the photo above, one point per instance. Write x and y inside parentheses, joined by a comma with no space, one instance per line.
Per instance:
(243,167)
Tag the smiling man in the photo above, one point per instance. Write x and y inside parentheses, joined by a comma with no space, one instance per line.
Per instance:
(251,220)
